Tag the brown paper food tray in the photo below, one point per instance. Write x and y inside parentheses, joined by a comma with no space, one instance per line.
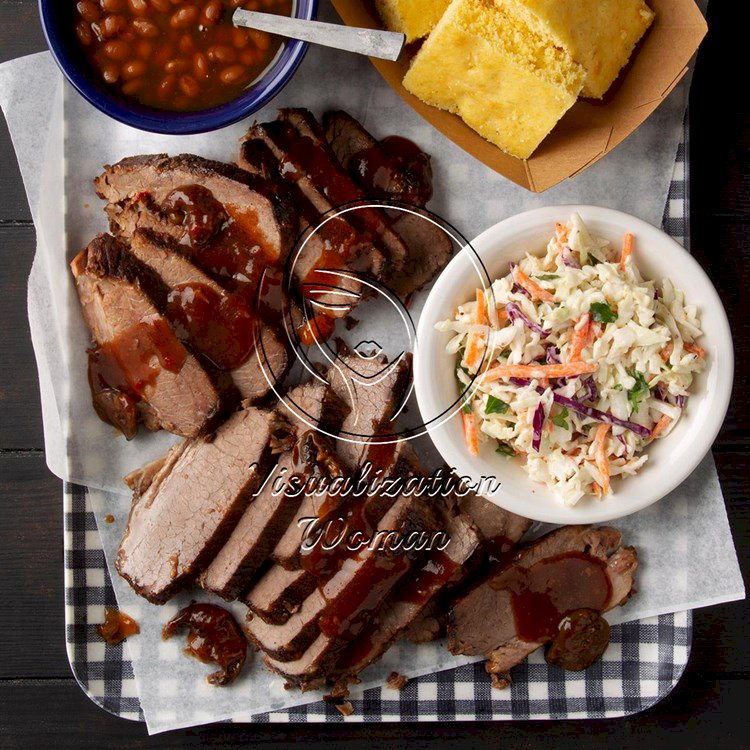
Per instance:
(590,129)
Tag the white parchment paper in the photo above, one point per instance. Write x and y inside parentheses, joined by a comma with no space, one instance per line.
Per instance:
(685,546)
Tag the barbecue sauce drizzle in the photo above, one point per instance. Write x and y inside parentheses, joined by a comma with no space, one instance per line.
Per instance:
(117,626)
(213,637)
(543,594)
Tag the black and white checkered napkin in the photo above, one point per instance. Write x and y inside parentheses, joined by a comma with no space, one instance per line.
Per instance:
(643,663)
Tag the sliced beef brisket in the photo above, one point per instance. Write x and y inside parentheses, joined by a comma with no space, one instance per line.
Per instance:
(192,503)
(263,208)
(270,513)
(161,381)
(373,390)
(485,621)
(343,605)
(265,350)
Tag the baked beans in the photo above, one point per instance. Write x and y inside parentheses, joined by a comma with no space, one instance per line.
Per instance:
(180,55)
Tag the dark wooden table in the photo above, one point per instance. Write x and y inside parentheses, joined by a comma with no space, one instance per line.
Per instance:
(40,702)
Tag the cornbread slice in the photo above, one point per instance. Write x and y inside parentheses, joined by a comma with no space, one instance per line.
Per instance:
(415,18)
(598,34)
(506,82)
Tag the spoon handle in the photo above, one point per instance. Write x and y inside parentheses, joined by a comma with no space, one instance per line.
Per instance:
(386,45)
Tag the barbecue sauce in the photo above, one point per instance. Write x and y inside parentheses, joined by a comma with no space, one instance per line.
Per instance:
(430,578)
(224,240)
(542,595)
(117,626)
(195,208)
(220,327)
(121,370)
(346,615)
(213,637)
(395,168)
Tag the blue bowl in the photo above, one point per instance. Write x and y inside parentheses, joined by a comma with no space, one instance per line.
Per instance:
(57,21)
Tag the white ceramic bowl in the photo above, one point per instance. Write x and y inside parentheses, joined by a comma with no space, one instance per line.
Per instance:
(670,460)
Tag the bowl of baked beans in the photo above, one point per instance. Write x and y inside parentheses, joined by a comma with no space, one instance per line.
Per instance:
(172,66)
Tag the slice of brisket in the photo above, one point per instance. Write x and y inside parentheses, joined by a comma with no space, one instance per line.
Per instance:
(334,245)
(430,249)
(313,156)
(483,621)
(163,256)
(343,605)
(499,528)
(440,571)
(264,207)
(373,390)
(394,168)
(270,513)
(121,300)
(192,504)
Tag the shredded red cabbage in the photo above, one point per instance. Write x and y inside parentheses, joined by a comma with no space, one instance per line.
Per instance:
(660,392)
(592,392)
(515,313)
(569,259)
(553,355)
(516,289)
(537,424)
(681,401)
(520,382)
(601,416)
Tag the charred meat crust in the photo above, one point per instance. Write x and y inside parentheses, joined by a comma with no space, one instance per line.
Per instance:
(136,175)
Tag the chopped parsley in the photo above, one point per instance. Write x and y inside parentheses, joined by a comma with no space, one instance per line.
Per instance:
(495,406)
(548,276)
(639,390)
(504,449)
(601,312)
(466,408)
(618,387)
(560,419)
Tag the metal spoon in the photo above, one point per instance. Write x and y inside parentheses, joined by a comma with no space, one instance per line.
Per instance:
(386,45)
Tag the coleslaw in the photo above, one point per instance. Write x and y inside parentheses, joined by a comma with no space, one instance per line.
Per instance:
(574,362)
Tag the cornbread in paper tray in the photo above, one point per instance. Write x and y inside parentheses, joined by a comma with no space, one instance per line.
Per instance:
(414,18)
(512,68)
(504,80)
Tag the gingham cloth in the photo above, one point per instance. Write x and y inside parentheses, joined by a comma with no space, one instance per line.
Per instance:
(642,665)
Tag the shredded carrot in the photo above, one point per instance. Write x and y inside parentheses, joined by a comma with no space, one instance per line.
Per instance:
(481,314)
(561,233)
(699,351)
(666,352)
(595,489)
(472,352)
(568,370)
(660,426)
(470,433)
(537,293)
(580,337)
(627,250)
(473,344)
(600,454)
